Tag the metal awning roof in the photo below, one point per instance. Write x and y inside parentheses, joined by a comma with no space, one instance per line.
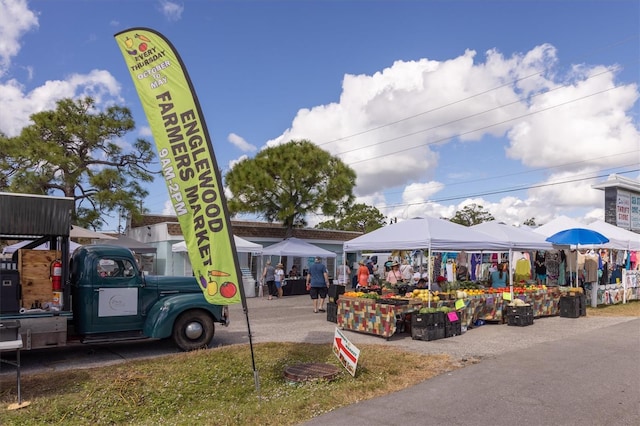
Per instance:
(28,215)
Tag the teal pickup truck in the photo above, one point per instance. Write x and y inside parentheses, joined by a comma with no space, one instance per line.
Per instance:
(112,300)
(102,295)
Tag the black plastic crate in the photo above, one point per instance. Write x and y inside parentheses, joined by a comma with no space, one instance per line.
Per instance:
(335,291)
(526,310)
(427,333)
(569,306)
(583,304)
(332,312)
(452,328)
(419,320)
(519,316)
(401,325)
(520,320)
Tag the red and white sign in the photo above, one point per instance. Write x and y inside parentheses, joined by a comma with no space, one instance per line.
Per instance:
(346,352)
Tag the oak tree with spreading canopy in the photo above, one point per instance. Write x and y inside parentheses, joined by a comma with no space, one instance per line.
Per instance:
(78,151)
(287,182)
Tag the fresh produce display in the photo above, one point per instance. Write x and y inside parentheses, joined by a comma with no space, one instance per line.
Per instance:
(466,291)
(443,309)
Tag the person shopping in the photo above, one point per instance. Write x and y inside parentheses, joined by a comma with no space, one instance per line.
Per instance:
(269,277)
(317,284)
(394,276)
(343,273)
(279,278)
(363,276)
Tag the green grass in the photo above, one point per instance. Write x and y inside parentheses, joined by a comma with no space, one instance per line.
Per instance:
(216,386)
(212,387)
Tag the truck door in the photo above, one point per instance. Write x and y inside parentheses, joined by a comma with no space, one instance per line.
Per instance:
(118,291)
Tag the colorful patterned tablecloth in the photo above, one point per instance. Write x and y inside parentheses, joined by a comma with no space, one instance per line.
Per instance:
(367,316)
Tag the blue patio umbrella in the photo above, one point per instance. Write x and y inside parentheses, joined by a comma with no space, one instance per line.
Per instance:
(577,237)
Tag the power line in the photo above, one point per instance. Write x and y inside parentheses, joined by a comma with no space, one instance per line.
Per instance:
(510,83)
(480,128)
(540,169)
(516,102)
(502,191)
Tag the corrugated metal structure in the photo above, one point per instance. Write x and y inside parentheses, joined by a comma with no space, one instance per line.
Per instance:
(30,216)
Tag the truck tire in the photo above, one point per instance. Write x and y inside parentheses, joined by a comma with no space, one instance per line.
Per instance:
(193,330)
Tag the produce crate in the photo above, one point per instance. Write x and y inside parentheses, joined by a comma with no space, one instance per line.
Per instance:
(431,319)
(335,291)
(519,316)
(452,328)
(396,302)
(427,333)
(583,304)
(332,312)
(427,326)
(570,306)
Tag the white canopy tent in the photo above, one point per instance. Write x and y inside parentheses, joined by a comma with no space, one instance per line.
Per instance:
(434,234)
(242,246)
(517,238)
(44,246)
(79,232)
(558,224)
(296,247)
(619,238)
(425,233)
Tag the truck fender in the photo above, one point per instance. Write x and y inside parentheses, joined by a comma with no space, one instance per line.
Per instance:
(163,314)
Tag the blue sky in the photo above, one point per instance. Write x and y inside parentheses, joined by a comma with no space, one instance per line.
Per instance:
(435,104)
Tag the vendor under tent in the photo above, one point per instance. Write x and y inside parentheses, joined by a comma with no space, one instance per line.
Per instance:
(299,248)
(425,233)
(517,238)
(579,237)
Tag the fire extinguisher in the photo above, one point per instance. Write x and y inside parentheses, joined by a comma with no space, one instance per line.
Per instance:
(56,275)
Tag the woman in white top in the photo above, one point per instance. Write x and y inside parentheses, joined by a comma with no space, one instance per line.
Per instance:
(344,272)
(406,270)
(279,275)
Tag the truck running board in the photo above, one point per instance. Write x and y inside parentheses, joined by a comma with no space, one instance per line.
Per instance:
(112,337)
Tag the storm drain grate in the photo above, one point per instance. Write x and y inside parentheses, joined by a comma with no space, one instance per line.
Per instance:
(311,371)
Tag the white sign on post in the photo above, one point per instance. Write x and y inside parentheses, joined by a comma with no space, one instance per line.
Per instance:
(346,352)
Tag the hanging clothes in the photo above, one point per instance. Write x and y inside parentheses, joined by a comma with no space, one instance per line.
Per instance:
(552,263)
(523,270)
(562,273)
(476,262)
(591,267)
(462,259)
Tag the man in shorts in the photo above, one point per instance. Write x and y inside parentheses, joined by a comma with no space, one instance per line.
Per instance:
(317,284)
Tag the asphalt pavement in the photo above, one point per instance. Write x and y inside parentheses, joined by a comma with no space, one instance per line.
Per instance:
(558,371)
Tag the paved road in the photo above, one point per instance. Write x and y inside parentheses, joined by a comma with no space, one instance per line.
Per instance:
(560,371)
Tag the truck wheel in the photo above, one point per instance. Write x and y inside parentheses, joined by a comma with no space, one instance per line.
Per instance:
(193,330)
